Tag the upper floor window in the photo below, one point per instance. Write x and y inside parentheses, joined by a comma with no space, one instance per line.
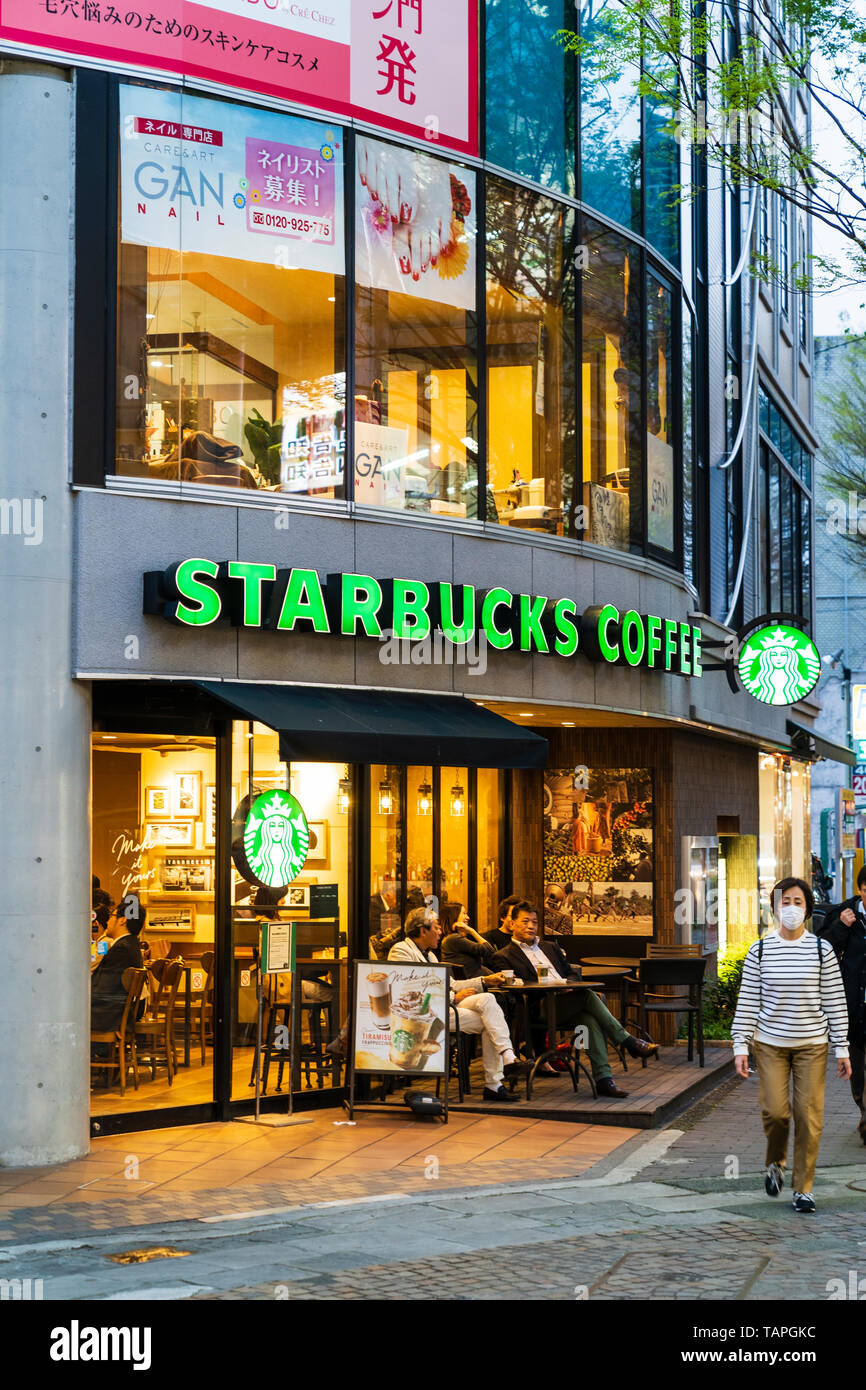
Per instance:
(784,257)
(802,271)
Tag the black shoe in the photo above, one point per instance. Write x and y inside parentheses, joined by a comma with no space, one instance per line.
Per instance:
(774,1181)
(803,1202)
(517,1068)
(608,1088)
(636,1047)
(502,1097)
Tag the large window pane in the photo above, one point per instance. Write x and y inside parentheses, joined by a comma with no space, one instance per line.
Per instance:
(660,450)
(764,534)
(609,123)
(386,850)
(787,544)
(661,176)
(230,352)
(415,353)
(419,836)
(454,835)
(806,554)
(530,123)
(489,800)
(531,360)
(775,533)
(610,383)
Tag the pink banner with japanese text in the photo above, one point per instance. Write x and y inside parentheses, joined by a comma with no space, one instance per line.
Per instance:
(408,65)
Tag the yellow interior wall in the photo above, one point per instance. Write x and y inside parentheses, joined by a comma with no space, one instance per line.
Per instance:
(403,404)
(448,417)
(157,771)
(509,423)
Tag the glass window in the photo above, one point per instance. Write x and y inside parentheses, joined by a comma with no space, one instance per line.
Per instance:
(454,836)
(660,465)
(787,542)
(230,344)
(774,538)
(416,432)
(661,180)
(386,850)
(610,120)
(763,502)
(419,836)
(688,448)
(489,800)
(803,270)
(610,383)
(764,408)
(154,834)
(806,553)
(784,257)
(531,436)
(530,123)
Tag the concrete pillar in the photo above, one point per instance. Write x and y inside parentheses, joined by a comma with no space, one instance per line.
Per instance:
(44,715)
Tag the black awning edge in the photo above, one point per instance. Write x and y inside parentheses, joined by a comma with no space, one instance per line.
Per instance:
(821,747)
(345,724)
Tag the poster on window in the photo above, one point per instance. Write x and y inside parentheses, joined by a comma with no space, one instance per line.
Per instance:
(660,492)
(409,65)
(204,176)
(598,851)
(400,1022)
(415,224)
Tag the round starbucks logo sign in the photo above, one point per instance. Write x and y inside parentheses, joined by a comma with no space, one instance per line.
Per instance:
(778,664)
(276,838)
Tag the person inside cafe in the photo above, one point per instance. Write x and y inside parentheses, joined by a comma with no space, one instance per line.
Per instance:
(501,935)
(477,1011)
(107,994)
(382,904)
(583,1008)
(467,949)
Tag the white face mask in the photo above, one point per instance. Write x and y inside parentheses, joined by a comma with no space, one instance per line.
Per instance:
(792,916)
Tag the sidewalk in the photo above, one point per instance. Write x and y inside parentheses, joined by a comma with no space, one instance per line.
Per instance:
(206,1170)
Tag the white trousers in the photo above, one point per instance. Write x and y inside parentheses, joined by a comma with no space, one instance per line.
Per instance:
(480,1013)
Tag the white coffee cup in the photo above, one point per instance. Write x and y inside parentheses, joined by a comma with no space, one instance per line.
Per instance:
(508,976)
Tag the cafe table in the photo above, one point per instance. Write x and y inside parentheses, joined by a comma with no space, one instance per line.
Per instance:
(548,994)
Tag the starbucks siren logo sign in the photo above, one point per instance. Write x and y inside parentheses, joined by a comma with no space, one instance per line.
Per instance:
(778,664)
(276,839)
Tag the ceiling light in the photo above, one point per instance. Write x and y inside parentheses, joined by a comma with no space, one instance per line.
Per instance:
(425,799)
(332,299)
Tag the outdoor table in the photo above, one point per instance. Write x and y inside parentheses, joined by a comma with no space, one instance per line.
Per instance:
(549,993)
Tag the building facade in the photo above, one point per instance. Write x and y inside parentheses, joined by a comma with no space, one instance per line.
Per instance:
(394,463)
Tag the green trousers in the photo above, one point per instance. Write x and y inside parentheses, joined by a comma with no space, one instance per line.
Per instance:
(585,1009)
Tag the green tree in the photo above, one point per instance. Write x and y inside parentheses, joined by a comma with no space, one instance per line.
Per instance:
(728,80)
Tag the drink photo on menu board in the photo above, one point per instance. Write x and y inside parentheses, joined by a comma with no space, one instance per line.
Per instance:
(400,1020)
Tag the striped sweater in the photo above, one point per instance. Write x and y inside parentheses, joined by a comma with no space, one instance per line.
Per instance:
(787,1000)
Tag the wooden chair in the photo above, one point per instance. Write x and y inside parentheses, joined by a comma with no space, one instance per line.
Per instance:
(201,1003)
(157,1027)
(657,950)
(674,971)
(124,1037)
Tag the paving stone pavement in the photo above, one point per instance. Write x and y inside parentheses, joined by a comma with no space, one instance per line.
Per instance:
(637,1224)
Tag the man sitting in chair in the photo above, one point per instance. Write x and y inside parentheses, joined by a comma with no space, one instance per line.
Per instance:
(107,994)
(477,1011)
(583,1008)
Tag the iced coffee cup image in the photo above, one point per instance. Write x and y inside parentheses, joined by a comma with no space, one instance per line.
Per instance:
(411,1020)
(379,994)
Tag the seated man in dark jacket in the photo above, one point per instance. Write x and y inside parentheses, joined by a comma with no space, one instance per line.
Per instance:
(845,928)
(107,995)
(526,955)
(501,935)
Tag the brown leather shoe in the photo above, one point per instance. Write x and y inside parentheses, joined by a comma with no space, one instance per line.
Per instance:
(636,1047)
(608,1088)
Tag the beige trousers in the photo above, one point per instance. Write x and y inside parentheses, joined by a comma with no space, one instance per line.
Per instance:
(808,1068)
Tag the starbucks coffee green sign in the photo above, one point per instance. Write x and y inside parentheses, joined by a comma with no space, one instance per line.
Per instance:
(778,664)
(276,839)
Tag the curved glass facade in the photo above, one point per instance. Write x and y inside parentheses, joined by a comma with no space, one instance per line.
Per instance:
(311,311)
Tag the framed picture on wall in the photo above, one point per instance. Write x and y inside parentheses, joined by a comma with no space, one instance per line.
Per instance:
(298,895)
(318,850)
(173,834)
(187,795)
(157,803)
(210,813)
(171,919)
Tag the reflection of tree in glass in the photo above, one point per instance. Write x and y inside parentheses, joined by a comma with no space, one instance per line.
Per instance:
(609,124)
(531,93)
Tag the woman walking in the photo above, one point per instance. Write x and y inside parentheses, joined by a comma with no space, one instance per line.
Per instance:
(791,1000)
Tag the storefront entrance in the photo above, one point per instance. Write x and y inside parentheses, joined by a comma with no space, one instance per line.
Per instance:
(169,810)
